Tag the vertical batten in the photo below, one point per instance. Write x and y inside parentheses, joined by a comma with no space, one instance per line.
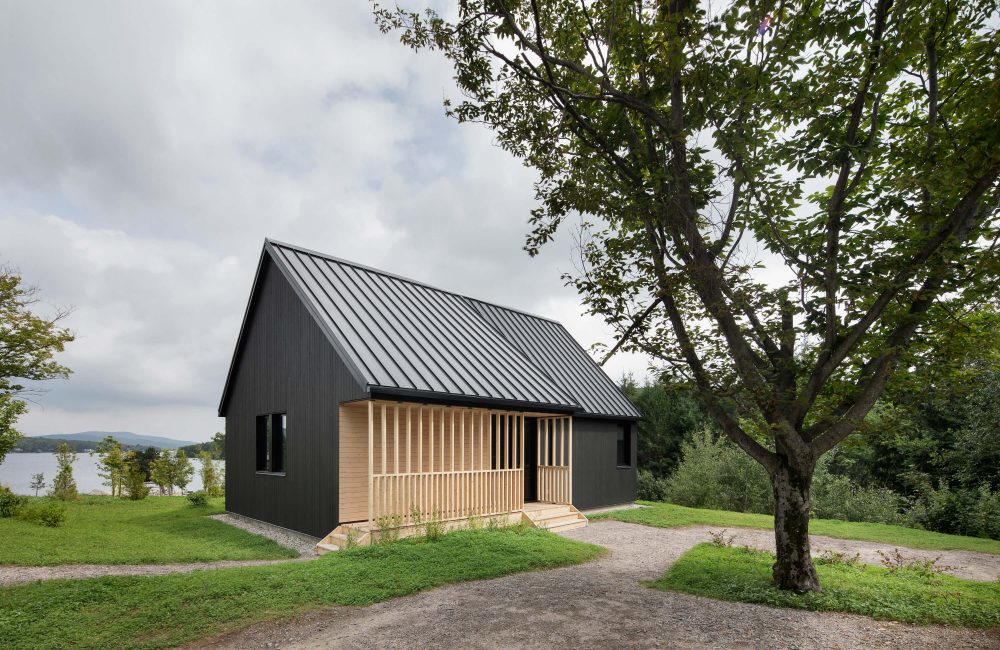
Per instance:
(409,451)
(371,472)
(395,439)
(569,498)
(383,439)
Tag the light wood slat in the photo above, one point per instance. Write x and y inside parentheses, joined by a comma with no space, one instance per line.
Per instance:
(371,472)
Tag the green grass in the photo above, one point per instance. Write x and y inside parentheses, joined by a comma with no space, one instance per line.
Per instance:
(668,515)
(743,575)
(157,530)
(164,611)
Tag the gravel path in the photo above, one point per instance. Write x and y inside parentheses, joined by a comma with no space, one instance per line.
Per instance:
(299,542)
(302,544)
(598,604)
(961,564)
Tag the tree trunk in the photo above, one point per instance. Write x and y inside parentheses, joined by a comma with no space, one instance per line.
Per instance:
(793,568)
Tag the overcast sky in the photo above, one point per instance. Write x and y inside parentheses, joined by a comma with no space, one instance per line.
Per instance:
(148,148)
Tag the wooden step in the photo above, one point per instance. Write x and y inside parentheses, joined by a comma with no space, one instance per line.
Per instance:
(579,523)
(553,522)
(555,510)
(554,516)
(323,548)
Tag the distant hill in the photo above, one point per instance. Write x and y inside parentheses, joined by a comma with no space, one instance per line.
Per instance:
(48,445)
(123,437)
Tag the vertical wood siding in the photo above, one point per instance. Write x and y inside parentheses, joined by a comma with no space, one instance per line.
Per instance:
(286,364)
(597,479)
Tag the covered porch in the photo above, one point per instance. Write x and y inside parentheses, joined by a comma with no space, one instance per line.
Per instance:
(403,464)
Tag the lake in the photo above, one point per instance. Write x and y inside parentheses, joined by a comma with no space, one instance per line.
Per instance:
(16,471)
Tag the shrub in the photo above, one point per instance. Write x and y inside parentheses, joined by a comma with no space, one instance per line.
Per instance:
(10,503)
(718,475)
(988,513)
(959,511)
(388,528)
(198,498)
(46,513)
(135,482)
(837,497)
(649,487)
(434,527)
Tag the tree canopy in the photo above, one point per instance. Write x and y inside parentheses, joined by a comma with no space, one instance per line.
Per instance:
(28,344)
(784,201)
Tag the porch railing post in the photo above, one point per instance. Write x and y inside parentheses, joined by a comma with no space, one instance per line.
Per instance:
(371,464)
(570,460)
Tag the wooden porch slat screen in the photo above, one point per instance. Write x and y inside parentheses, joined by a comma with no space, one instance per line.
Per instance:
(555,459)
(443,462)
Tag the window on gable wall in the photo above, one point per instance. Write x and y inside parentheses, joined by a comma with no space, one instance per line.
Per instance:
(271,439)
(624,445)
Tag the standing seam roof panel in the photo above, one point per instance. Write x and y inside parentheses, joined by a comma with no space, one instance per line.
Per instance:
(337,322)
(545,357)
(500,351)
(542,339)
(363,334)
(405,334)
(374,313)
(513,362)
(432,345)
(437,378)
(458,357)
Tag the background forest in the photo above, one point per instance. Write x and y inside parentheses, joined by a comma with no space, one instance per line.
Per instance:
(928,456)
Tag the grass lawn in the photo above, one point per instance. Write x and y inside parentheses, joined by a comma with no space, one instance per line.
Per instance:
(668,515)
(743,575)
(164,611)
(156,530)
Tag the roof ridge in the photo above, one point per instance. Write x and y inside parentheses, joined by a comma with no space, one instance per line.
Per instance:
(396,276)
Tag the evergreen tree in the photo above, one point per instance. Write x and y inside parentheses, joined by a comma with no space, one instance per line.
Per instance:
(64,485)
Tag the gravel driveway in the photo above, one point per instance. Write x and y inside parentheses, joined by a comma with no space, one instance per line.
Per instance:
(598,604)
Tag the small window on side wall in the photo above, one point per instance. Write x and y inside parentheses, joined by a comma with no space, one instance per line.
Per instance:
(624,443)
(271,440)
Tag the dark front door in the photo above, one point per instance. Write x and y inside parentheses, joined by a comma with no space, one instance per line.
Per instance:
(530,460)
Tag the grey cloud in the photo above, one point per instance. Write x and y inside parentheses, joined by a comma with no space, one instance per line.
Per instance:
(150,147)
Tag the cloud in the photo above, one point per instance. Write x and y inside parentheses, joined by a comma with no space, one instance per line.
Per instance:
(150,147)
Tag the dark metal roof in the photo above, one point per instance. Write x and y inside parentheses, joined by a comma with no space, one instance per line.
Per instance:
(556,352)
(405,336)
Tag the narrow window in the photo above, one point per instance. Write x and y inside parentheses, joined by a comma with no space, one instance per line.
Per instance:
(624,445)
(278,442)
(263,442)
(271,438)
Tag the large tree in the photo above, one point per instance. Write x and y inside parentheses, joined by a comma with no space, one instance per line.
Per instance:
(28,344)
(784,200)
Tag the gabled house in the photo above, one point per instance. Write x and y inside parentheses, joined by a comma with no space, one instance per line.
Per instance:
(358,399)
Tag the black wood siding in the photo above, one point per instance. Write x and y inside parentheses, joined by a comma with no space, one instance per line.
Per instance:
(286,364)
(597,479)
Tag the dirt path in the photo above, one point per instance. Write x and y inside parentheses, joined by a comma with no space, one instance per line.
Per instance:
(961,564)
(12,575)
(598,604)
